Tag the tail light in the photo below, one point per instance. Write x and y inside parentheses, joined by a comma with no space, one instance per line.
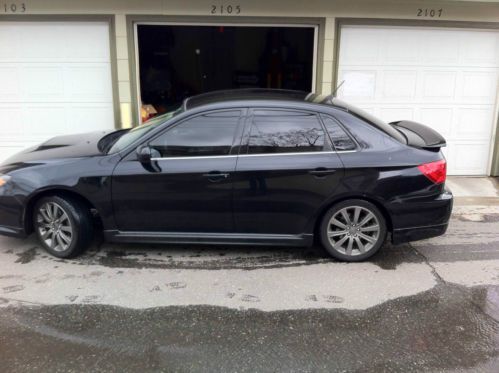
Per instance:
(435,171)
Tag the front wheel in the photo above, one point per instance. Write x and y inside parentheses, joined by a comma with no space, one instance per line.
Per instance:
(64,226)
(353,230)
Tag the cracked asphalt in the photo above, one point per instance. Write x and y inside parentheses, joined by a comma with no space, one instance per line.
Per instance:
(430,305)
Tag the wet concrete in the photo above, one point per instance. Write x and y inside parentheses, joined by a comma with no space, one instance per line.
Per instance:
(429,306)
(441,329)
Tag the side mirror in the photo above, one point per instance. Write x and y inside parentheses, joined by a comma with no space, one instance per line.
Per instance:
(144,154)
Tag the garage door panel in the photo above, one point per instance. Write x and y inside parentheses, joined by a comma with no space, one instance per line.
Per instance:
(473,123)
(33,45)
(42,83)
(442,49)
(10,42)
(86,43)
(56,79)
(88,83)
(13,122)
(361,85)
(470,158)
(399,85)
(479,86)
(90,117)
(438,85)
(479,49)
(47,120)
(445,78)
(438,118)
(9,86)
(393,114)
(367,49)
(401,48)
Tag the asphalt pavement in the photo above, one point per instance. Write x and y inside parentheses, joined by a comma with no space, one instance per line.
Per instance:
(430,305)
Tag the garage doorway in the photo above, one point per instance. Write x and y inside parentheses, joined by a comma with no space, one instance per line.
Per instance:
(176,61)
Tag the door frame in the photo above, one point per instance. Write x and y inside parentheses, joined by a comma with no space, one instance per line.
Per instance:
(229,21)
(493,157)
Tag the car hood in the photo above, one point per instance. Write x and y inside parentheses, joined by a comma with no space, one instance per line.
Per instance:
(68,146)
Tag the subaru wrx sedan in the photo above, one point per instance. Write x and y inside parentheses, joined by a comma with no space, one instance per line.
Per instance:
(253,167)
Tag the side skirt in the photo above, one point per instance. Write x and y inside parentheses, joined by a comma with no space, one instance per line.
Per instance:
(210,238)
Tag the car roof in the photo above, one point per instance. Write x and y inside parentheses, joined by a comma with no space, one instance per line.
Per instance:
(261,95)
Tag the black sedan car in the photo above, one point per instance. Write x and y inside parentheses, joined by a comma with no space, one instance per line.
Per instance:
(258,167)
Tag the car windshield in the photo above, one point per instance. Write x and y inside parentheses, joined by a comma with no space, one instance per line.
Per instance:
(136,133)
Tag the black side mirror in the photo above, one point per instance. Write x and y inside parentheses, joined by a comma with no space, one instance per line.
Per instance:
(144,154)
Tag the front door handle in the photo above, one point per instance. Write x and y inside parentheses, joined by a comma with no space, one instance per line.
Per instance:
(322,171)
(216,175)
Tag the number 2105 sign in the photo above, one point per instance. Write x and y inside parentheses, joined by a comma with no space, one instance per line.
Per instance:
(226,9)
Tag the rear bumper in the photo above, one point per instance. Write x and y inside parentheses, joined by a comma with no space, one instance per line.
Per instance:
(432,218)
(417,233)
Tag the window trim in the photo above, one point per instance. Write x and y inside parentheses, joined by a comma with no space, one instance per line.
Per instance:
(251,155)
(234,145)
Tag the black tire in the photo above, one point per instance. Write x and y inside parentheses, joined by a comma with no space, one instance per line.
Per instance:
(354,232)
(77,217)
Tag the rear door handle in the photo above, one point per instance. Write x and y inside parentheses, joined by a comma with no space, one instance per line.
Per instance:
(216,175)
(322,171)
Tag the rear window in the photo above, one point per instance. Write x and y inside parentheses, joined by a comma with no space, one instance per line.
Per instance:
(371,119)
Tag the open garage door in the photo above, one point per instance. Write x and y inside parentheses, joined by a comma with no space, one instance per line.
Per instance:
(445,78)
(55,79)
(178,61)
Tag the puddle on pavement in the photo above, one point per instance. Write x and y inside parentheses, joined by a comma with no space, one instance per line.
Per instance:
(447,328)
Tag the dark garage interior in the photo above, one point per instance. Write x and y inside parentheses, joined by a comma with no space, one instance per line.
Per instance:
(176,62)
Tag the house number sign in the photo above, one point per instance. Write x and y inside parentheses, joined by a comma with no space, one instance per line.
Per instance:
(226,9)
(429,13)
(14,7)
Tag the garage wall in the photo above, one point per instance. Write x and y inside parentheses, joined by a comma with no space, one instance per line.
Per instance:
(330,10)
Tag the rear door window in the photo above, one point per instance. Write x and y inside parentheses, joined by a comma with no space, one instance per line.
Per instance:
(276,131)
(340,139)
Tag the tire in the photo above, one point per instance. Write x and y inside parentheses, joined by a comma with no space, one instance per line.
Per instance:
(64,226)
(344,237)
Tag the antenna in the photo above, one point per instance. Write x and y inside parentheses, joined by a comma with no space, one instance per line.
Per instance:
(336,89)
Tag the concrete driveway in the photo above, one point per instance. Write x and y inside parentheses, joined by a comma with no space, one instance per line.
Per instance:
(427,306)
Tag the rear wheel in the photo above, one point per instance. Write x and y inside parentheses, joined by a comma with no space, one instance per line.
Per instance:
(353,230)
(64,226)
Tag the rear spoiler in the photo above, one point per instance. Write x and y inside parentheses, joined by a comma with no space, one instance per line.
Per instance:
(419,135)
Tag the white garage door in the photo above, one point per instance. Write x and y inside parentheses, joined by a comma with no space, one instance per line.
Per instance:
(55,78)
(445,78)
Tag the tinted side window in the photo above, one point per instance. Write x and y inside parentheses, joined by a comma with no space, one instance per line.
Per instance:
(341,141)
(285,132)
(204,135)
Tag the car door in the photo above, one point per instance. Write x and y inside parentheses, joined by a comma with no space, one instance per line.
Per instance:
(286,171)
(187,187)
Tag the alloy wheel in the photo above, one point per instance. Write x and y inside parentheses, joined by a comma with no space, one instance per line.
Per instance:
(353,230)
(54,226)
